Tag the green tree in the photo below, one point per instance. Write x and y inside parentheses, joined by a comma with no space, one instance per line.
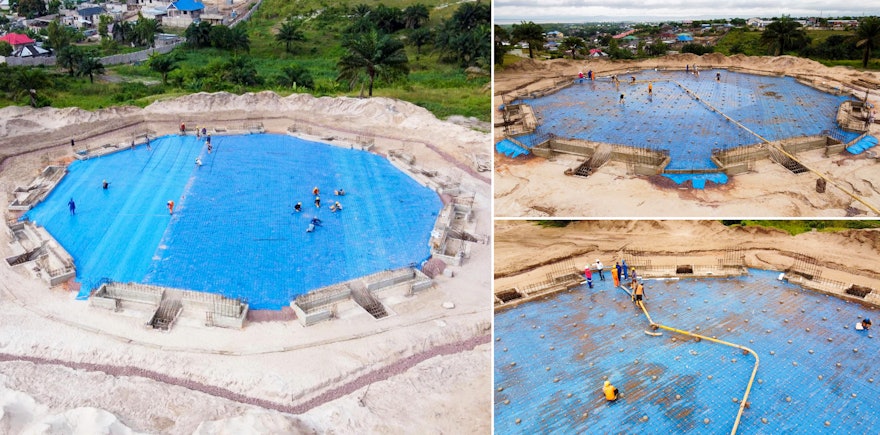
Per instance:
(59,36)
(530,33)
(465,37)
(198,35)
(361,11)
(145,30)
(90,66)
(387,19)
(5,48)
(295,75)
(698,49)
(104,22)
(29,81)
(658,48)
(374,54)
(123,32)
(31,8)
(290,31)
(420,37)
(499,48)
(241,71)
(783,35)
(53,6)
(69,57)
(573,43)
(239,39)
(868,36)
(414,16)
(162,65)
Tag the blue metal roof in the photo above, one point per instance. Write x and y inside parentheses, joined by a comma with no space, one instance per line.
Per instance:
(188,5)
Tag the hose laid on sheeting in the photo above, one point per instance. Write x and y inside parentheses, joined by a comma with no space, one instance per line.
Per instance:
(744,402)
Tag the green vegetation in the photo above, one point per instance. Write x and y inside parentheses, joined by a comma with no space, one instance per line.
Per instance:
(292,46)
(795,227)
(553,223)
(829,47)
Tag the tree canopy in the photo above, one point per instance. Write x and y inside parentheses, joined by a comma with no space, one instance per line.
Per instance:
(783,35)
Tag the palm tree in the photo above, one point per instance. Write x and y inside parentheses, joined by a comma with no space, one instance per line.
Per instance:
(372,53)
(501,36)
(239,39)
(290,32)
(420,37)
(69,57)
(199,35)
(90,66)
(529,33)
(868,35)
(162,65)
(296,75)
(415,15)
(28,81)
(361,11)
(783,35)
(573,43)
(145,29)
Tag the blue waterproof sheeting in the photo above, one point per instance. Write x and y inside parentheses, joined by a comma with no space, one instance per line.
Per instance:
(551,357)
(675,117)
(862,145)
(234,230)
(698,181)
(510,149)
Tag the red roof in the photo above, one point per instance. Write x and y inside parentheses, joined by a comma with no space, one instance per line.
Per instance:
(16,39)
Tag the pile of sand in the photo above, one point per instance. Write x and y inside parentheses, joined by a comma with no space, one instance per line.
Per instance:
(853,252)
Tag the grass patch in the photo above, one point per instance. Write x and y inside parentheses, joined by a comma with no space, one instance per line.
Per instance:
(795,227)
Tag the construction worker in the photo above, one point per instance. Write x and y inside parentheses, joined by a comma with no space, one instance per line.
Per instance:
(615,275)
(611,392)
(638,293)
(105,184)
(588,273)
(298,207)
(170,207)
(318,201)
(316,191)
(650,88)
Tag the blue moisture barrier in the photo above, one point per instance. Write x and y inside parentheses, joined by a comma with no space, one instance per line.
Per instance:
(510,149)
(551,357)
(234,230)
(698,181)
(672,119)
(862,145)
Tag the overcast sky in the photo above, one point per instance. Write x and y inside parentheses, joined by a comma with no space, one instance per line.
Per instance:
(575,11)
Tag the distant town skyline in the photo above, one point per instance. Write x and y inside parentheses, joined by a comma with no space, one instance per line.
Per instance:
(577,11)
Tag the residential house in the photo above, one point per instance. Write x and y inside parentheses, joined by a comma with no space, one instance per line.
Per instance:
(182,13)
(555,35)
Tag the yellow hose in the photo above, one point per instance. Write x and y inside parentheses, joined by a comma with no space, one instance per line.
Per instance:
(742,405)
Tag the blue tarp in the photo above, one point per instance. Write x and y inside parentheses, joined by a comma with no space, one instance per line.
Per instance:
(234,231)
(698,181)
(671,119)
(510,149)
(862,145)
(552,356)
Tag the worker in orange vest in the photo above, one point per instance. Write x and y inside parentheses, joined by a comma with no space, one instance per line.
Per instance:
(611,392)
(170,207)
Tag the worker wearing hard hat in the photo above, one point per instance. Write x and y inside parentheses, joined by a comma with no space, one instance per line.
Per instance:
(611,392)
